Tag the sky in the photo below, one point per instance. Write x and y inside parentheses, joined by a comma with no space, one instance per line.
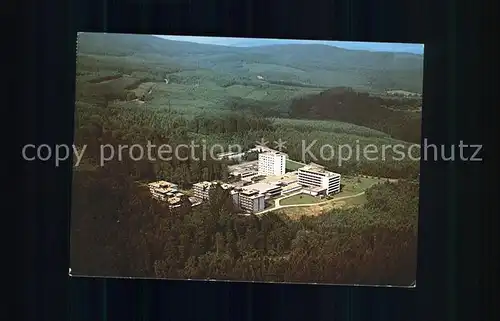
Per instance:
(252,42)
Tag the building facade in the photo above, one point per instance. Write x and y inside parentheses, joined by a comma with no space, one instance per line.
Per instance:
(321,180)
(201,190)
(272,163)
(251,201)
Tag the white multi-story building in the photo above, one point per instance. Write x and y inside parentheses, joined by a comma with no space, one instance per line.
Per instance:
(248,199)
(235,195)
(251,201)
(202,190)
(319,179)
(272,163)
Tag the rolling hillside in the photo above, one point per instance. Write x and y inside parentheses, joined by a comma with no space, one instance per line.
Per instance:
(347,105)
(308,64)
(293,85)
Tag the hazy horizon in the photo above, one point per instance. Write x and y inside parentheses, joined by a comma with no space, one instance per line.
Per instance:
(256,42)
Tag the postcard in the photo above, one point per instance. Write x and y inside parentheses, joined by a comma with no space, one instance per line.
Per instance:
(251,160)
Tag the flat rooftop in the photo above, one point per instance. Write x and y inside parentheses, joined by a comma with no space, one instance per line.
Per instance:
(206,184)
(202,184)
(161,184)
(314,168)
(273,152)
(165,191)
(284,179)
(252,166)
(240,184)
(261,187)
(291,187)
(252,194)
(230,155)
(249,192)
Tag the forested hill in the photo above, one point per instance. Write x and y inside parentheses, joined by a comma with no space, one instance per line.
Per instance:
(127,45)
(309,64)
(399,118)
(118,229)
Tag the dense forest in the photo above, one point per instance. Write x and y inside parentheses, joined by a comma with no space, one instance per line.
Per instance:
(119,230)
(132,125)
(344,104)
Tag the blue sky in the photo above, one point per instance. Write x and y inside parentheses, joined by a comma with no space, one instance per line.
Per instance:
(252,42)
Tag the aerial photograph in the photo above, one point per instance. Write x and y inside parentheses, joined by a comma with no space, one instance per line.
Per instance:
(249,160)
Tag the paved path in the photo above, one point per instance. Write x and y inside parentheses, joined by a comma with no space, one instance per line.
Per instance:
(277,206)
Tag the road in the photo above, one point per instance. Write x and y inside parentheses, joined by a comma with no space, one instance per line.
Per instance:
(277,206)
